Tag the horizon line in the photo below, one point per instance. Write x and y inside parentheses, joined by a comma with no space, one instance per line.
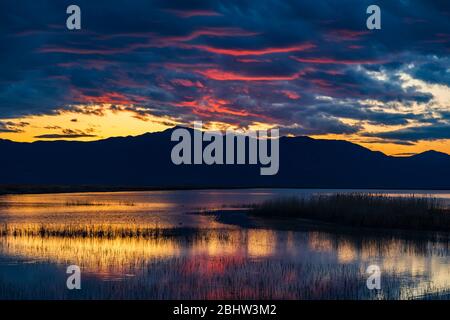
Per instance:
(67,138)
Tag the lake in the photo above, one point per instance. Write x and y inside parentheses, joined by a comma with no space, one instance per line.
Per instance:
(149,245)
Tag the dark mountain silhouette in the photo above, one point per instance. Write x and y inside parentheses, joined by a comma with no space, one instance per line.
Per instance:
(144,162)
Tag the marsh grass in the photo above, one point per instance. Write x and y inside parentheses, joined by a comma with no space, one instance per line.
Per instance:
(186,278)
(362,210)
(93,231)
(84,203)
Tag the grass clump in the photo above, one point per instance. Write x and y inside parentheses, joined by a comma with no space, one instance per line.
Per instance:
(362,210)
(85,203)
(92,231)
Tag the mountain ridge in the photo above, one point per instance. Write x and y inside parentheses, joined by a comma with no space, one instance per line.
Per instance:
(181,127)
(144,161)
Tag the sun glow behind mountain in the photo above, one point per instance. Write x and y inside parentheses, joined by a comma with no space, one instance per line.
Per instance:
(305,70)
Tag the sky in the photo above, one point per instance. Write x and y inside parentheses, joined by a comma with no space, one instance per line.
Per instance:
(307,67)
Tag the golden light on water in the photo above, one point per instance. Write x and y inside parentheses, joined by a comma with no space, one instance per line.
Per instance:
(138,235)
(218,244)
(346,252)
(261,243)
(213,252)
(103,256)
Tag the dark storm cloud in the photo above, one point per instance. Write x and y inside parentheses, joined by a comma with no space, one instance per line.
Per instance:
(429,132)
(232,61)
(319,124)
(435,70)
(361,112)
(66,134)
(11,126)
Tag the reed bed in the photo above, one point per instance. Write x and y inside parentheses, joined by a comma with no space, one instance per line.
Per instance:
(188,278)
(362,210)
(84,203)
(93,231)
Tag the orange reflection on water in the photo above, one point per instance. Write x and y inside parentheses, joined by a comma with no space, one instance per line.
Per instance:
(218,244)
(261,243)
(113,256)
(346,252)
(320,242)
(178,255)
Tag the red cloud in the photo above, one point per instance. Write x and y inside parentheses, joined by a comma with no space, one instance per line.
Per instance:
(220,75)
(86,64)
(208,104)
(187,83)
(291,94)
(255,52)
(355,47)
(107,98)
(322,83)
(193,13)
(346,35)
(216,32)
(166,40)
(253,60)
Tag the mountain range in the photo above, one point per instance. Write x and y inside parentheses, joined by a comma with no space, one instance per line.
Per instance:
(144,161)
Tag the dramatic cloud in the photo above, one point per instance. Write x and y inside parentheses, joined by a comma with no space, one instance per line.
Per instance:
(309,67)
(10,126)
(431,132)
(66,134)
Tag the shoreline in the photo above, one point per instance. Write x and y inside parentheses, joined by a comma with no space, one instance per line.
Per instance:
(61,189)
(242,218)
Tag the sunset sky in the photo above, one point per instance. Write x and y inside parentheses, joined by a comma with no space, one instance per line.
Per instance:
(307,67)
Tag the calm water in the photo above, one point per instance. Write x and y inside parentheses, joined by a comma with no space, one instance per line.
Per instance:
(195,257)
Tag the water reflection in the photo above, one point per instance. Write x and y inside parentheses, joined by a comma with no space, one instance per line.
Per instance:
(224,263)
(129,251)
